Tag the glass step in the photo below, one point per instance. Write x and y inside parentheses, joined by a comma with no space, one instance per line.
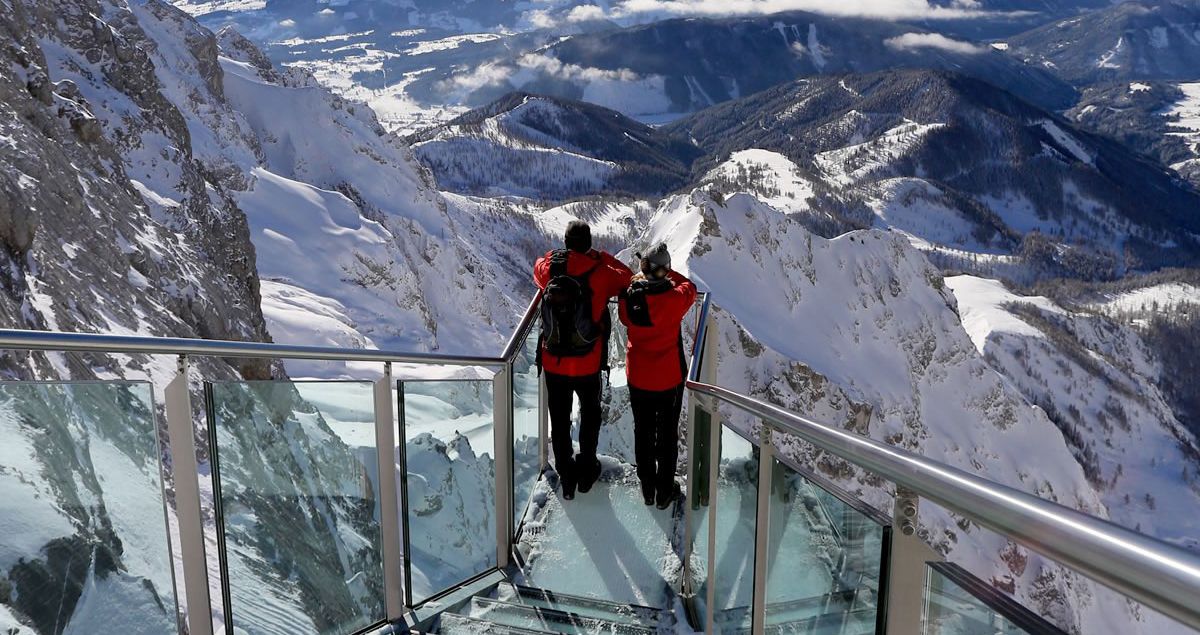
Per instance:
(545,619)
(858,622)
(585,607)
(790,611)
(452,624)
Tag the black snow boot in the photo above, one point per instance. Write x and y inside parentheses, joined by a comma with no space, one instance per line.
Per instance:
(648,493)
(666,498)
(588,471)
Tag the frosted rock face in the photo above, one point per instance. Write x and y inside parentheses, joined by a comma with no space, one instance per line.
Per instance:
(133,192)
(109,226)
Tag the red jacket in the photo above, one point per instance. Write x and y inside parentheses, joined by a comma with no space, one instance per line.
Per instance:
(610,277)
(654,353)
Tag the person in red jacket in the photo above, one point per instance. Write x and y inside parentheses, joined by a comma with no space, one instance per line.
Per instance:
(652,309)
(577,372)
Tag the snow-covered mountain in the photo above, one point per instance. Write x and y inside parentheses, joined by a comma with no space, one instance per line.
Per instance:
(971,173)
(420,74)
(683,65)
(1131,40)
(548,148)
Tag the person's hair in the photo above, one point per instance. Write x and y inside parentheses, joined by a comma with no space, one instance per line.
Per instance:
(656,263)
(578,237)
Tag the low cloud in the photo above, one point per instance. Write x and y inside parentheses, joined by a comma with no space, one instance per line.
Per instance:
(483,76)
(554,67)
(586,13)
(917,41)
(525,69)
(629,12)
(889,9)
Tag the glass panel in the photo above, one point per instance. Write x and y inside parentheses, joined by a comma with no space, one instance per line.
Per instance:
(736,519)
(616,431)
(84,542)
(698,497)
(823,559)
(297,471)
(450,489)
(526,427)
(957,603)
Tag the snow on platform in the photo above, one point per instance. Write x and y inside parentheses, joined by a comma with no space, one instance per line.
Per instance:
(606,544)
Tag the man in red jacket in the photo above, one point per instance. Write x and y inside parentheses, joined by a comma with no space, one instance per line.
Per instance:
(653,308)
(576,323)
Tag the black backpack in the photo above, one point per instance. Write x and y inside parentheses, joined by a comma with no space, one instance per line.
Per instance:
(568,329)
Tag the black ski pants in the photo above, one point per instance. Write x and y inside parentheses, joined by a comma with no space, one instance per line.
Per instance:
(560,393)
(656,438)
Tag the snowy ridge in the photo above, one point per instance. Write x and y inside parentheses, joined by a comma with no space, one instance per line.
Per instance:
(545,148)
(857,162)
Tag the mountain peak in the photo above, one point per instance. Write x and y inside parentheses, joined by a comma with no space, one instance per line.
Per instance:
(526,144)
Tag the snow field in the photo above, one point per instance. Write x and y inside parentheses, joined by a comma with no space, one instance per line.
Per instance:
(775,179)
(1153,299)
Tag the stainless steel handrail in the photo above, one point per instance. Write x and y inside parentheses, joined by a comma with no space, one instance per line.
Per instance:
(17,339)
(519,335)
(701,335)
(1161,576)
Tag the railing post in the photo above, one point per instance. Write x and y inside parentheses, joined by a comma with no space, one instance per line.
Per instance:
(766,461)
(543,424)
(389,500)
(691,503)
(502,389)
(907,567)
(186,474)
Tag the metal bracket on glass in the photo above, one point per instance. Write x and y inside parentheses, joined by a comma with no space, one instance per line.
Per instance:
(186,475)
(389,505)
(908,564)
(907,507)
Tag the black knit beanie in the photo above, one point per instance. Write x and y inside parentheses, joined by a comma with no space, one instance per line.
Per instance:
(578,237)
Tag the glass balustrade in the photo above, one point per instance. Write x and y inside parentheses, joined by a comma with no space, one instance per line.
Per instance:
(296,475)
(449,487)
(526,465)
(296,478)
(824,559)
(83,528)
(958,603)
(736,517)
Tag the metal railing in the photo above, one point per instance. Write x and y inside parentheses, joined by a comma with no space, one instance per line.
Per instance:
(1162,576)
(16,339)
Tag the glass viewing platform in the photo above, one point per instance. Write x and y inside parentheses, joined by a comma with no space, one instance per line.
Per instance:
(418,496)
